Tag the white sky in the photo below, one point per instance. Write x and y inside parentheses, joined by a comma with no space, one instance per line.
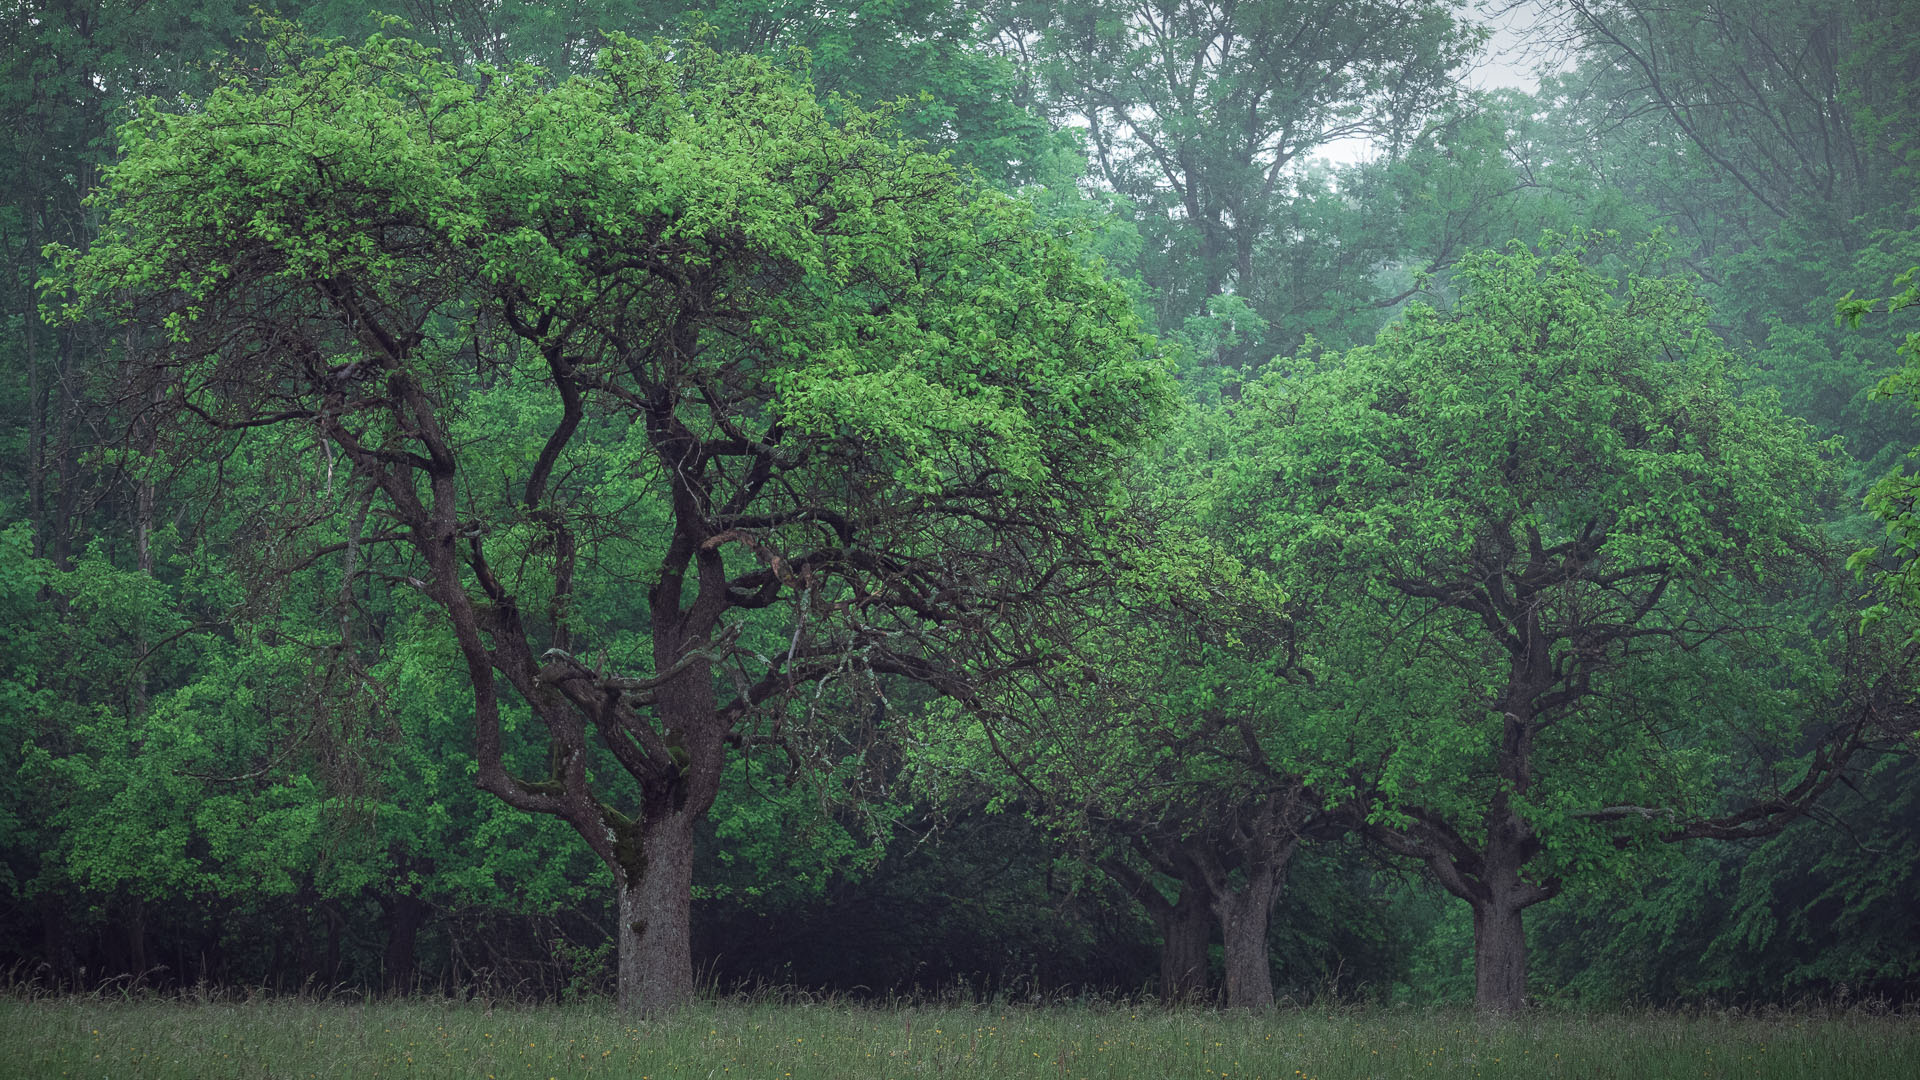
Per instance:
(1507,62)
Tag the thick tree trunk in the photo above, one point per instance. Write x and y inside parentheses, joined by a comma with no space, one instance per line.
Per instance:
(1184,928)
(1243,915)
(656,906)
(1499,956)
(1498,898)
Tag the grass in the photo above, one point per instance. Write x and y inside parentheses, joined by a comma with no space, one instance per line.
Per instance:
(176,1039)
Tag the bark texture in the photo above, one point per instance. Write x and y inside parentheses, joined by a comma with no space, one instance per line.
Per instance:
(656,901)
(1184,931)
(1499,956)
(1244,912)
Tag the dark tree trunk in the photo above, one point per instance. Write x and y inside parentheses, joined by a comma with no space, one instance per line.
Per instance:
(37,396)
(1243,929)
(656,904)
(335,923)
(405,915)
(1185,926)
(137,940)
(1185,923)
(65,463)
(1499,957)
(1489,879)
(213,958)
(58,946)
(1499,933)
(1243,913)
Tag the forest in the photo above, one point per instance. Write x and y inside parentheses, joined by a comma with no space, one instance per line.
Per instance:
(1207,500)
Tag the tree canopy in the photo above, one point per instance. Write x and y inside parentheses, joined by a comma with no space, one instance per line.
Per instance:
(544,499)
(756,362)
(1548,491)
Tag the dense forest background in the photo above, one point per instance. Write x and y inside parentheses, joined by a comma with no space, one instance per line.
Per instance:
(232,758)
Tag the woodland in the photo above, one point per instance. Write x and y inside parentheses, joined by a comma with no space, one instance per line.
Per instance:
(1010,500)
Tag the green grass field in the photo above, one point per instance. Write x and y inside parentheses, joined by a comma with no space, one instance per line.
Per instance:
(127,1040)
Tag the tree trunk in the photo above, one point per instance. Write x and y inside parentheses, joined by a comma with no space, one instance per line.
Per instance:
(66,464)
(1243,928)
(136,927)
(1184,923)
(405,915)
(335,923)
(1184,928)
(1498,898)
(58,945)
(656,906)
(37,396)
(1499,956)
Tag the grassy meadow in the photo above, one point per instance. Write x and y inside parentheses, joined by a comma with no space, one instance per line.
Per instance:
(157,1039)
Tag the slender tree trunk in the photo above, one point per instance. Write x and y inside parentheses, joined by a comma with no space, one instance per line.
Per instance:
(656,927)
(213,959)
(36,392)
(335,922)
(143,511)
(136,914)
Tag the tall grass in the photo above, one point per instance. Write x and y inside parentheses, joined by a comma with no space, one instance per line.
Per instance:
(802,1039)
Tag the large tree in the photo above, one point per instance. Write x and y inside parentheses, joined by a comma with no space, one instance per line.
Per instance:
(667,329)
(1555,505)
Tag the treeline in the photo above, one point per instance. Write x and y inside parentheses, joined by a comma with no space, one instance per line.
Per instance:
(544,499)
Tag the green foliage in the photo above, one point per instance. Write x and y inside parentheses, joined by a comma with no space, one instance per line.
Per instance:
(847,406)
(1225,206)
(23,630)
(1817,912)
(218,725)
(1565,435)
(1894,497)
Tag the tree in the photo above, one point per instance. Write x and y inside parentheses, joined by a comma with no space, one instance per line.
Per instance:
(1775,142)
(1816,911)
(1200,111)
(1165,739)
(1797,104)
(786,387)
(1187,758)
(67,72)
(1549,500)
(960,98)
(1894,497)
